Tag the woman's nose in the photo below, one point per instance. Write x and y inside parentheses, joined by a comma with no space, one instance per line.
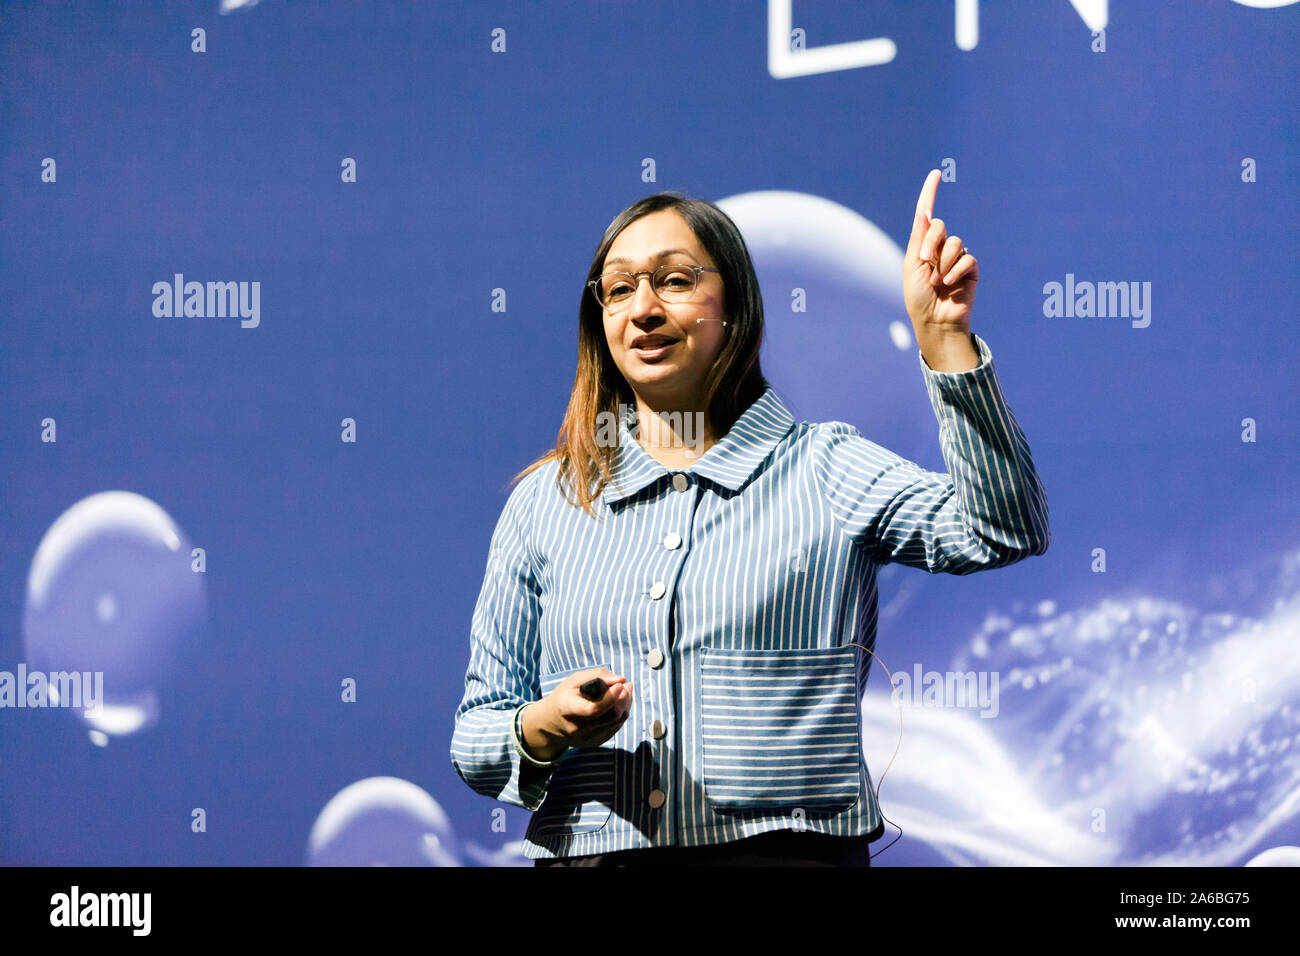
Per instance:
(643,297)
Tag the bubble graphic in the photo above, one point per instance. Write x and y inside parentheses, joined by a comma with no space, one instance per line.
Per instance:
(111,592)
(383,821)
(1278,856)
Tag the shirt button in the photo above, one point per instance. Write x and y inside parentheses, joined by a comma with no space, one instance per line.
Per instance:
(657,729)
(657,590)
(657,798)
(681,482)
(672,541)
(655,658)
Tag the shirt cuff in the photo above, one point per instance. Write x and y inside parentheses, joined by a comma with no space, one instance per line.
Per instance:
(516,732)
(981,349)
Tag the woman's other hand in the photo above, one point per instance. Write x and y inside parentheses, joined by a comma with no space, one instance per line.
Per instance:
(564,718)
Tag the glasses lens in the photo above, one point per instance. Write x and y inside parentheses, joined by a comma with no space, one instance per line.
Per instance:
(613,289)
(672,283)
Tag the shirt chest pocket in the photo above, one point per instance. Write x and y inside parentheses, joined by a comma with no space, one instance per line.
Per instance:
(580,795)
(779,729)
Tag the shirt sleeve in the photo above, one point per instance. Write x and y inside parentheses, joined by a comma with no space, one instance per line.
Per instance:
(503,668)
(990,510)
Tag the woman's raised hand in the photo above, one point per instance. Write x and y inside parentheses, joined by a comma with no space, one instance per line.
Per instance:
(939,275)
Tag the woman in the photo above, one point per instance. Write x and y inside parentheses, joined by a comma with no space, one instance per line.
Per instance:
(713,562)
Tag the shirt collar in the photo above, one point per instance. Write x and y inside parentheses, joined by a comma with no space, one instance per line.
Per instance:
(730,462)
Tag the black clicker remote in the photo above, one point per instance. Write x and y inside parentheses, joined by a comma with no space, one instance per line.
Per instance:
(593,689)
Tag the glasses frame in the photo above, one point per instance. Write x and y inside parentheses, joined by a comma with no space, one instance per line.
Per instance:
(636,282)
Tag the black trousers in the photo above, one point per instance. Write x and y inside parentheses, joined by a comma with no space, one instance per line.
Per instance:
(774,848)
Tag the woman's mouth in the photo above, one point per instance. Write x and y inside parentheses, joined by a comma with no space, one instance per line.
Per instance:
(653,348)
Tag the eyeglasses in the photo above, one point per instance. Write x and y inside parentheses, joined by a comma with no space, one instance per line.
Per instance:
(672,282)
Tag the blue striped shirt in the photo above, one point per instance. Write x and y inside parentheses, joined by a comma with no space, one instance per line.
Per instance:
(728,594)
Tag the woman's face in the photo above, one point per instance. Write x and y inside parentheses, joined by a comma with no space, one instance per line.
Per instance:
(673,373)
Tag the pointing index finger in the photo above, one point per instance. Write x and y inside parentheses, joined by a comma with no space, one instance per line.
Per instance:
(925,204)
(924,210)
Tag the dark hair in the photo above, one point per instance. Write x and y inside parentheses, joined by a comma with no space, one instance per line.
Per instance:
(731,386)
